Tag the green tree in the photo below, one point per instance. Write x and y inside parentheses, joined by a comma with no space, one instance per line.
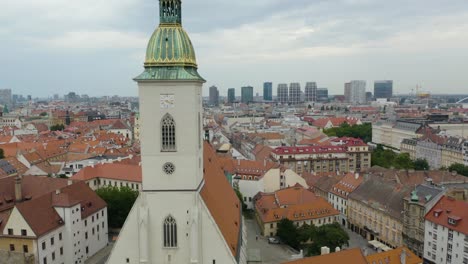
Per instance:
(363,131)
(459,168)
(241,198)
(330,235)
(2,154)
(43,114)
(403,161)
(58,127)
(288,233)
(421,164)
(119,203)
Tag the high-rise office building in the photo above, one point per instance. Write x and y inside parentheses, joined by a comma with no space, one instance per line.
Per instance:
(231,95)
(310,92)
(347,92)
(322,94)
(247,94)
(267,91)
(368,96)
(294,93)
(214,96)
(5,97)
(282,93)
(383,89)
(357,92)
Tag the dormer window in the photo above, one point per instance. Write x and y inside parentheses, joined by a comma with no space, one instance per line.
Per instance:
(453,220)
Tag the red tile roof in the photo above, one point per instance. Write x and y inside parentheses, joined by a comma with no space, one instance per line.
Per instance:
(448,209)
(227,211)
(42,217)
(115,171)
(393,257)
(295,203)
(308,150)
(351,256)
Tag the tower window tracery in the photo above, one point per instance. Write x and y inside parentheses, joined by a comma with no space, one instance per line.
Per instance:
(168,134)
(170,232)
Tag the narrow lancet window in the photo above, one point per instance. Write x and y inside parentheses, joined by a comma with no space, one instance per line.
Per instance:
(170,232)
(168,134)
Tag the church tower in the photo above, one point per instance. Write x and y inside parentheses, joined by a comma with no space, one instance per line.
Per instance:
(181,215)
(170,91)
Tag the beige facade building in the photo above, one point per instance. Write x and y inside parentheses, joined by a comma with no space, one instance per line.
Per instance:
(392,133)
(375,211)
(296,204)
(416,205)
(347,155)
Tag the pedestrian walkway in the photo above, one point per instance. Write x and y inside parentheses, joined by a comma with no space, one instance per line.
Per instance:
(101,256)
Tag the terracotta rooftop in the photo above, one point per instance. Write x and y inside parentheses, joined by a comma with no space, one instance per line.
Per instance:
(450,213)
(227,211)
(32,187)
(294,204)
(42,217)
(351,256)
(347,185)
(294,195)
(308,150)
(115,171)
(394,257)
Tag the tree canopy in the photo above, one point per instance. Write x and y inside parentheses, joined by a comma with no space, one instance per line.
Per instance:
(310,237)
(57,127)
(459,168)
(288,233)
(119,203)
(421,164)
(388,158)
(363,131)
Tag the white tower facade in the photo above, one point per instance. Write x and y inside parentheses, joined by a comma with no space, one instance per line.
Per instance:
(177,217)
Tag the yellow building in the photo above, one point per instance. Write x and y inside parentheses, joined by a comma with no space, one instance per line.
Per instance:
(296,204)
(375,211)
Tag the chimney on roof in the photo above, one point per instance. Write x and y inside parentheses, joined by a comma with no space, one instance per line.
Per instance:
(18,189)
(337,249)
(403,256)
(356,175)
(69,182)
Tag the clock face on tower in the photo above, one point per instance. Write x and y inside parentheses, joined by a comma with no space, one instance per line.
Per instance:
(167,101)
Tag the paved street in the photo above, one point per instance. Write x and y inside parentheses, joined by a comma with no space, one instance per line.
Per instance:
(357,241)
(269,253)
(101,256)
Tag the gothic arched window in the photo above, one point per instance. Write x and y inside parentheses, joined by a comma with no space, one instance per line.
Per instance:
(170,232)
(168,133)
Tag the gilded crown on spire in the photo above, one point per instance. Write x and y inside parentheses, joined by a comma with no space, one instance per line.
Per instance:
(170,11)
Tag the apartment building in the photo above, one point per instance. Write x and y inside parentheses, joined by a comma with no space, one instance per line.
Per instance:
(415,207)
(446,232)
(54,220)
(344,155)
(338,195)
(296,204)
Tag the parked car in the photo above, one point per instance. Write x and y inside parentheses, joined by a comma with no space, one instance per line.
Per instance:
(273,240)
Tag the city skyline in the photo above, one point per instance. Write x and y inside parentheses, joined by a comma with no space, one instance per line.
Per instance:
(73,47)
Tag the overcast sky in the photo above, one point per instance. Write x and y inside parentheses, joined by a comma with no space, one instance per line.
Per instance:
(96,47)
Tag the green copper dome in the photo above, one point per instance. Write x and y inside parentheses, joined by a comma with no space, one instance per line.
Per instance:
(170,54)
(170,46)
